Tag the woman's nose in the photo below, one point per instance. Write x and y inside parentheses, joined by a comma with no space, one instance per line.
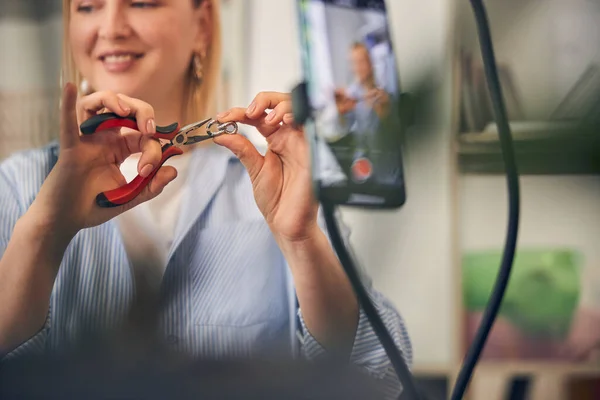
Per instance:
(114,24)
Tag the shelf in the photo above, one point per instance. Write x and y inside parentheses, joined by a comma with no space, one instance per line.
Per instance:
(428,370)
(516,367)
(538,150)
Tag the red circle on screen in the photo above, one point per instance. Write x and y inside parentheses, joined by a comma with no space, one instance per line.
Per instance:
(361,169)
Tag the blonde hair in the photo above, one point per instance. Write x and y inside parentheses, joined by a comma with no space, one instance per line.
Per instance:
(200,101)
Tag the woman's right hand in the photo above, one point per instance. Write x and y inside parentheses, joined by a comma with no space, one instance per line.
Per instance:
(88,165)
(344,103)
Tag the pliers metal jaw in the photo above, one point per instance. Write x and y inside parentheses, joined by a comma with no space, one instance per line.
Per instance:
(176,137)
(213,129)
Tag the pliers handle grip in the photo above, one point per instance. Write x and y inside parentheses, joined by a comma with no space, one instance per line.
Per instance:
(128,192)
(110,120)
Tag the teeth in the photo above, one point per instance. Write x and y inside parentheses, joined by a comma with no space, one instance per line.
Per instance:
(118,58)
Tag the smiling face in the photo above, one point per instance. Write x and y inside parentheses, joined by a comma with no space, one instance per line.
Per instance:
(139,48)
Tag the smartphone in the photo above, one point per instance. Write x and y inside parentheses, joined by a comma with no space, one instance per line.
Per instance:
(349,103)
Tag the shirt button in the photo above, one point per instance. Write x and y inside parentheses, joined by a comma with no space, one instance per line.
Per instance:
(172,339)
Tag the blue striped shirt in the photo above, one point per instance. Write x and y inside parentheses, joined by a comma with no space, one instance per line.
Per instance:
(226,291)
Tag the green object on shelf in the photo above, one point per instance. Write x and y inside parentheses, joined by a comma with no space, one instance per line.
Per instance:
(542,294)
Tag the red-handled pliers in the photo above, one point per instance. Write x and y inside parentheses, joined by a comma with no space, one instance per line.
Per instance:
(176,136)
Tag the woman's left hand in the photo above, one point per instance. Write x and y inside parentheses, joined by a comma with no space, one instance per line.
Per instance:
(380,101)
(281,179)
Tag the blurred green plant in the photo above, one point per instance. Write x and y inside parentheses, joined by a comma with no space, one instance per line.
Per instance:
(543,292)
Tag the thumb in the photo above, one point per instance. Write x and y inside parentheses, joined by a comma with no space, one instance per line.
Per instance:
(244,150)
(69,130)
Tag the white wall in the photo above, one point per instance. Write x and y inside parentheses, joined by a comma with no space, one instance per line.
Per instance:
(273,53)
(31,52)
(547,43)
(34,49)
(407,252)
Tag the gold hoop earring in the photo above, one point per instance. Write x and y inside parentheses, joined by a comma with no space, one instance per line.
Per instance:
(198,68)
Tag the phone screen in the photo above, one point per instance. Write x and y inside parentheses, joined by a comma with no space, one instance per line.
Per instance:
(352,90)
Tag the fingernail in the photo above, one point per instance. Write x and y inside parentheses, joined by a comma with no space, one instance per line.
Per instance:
(251,108)
(270,116)
(146,170)
(151,126)
(222,115)
(124,107)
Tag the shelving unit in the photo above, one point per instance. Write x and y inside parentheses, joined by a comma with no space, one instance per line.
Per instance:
(547,150)
(538,152)
(532,368)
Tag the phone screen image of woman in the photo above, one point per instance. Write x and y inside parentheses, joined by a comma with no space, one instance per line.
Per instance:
(353,87)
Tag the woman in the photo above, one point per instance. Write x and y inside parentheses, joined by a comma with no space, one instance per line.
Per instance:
(365,102)
(374,133)
(234,235)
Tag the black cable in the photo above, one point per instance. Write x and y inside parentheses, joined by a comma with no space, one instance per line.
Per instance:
(408,385)
(512,177)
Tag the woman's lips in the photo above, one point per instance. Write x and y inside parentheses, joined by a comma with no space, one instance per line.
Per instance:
(119,62)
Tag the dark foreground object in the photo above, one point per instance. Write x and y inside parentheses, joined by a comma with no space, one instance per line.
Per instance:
(102,374)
